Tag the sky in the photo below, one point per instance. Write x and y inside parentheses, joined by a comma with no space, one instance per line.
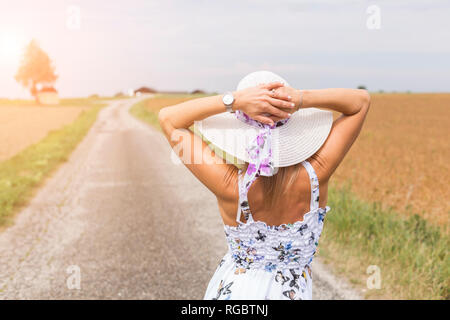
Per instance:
(105,47)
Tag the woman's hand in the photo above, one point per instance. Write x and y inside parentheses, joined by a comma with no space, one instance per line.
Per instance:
(264,103)
(295,94)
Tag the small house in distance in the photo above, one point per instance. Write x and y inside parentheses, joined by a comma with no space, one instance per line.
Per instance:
(144,90)
(48,95)
(198,91)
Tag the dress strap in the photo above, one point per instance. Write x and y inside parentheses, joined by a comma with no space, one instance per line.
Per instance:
(314,204)
(243,206)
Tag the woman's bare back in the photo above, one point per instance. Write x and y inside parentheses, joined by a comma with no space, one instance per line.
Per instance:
(290,207)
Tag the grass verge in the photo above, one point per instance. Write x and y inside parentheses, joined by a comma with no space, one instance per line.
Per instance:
(147,109)
(141,111)
(410,253)
(21,174)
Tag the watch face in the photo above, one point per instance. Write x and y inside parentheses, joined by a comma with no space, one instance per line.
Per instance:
(228,99)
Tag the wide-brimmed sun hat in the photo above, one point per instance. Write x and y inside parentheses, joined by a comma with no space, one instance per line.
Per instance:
(292,141)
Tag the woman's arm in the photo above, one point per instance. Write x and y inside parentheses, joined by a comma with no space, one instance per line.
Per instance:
(345,101)
(210,169)
(353,104)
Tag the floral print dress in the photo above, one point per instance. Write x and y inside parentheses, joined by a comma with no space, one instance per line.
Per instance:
(269,262)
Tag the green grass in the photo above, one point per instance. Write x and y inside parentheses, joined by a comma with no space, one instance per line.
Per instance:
(140,111)
(21,174)
(410,252)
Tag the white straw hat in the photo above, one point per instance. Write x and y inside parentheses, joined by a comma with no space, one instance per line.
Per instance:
(296,140)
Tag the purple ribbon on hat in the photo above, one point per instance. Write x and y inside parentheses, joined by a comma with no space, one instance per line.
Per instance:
(260,158)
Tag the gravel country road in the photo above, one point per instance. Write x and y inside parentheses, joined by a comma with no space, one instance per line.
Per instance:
(136,225)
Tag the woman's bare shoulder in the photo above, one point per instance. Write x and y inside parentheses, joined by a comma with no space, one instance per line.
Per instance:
(320,167)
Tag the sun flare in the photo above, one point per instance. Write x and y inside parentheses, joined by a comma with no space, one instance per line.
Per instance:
(11,46)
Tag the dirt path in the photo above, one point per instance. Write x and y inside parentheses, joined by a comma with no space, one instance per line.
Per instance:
(130,221)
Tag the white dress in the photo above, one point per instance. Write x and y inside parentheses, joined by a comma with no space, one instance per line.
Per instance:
(270,262)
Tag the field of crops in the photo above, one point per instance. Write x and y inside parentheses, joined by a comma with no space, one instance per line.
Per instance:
(21,126)
(35,139)
(401,156)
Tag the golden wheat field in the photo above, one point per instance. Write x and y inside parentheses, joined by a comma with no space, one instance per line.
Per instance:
(21,126)
(401,156)
(154,105)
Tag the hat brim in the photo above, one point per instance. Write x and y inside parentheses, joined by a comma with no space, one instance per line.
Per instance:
(297,140)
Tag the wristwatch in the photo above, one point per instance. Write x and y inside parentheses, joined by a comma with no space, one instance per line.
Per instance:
(228,100)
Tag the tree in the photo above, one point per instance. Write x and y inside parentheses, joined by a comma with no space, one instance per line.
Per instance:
(35,69)
(362,87)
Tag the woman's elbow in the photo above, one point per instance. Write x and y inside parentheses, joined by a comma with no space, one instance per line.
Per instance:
(162,116)
(163,119)
(365,98)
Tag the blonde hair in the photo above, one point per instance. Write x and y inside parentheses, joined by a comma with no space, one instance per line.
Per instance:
(274,186)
